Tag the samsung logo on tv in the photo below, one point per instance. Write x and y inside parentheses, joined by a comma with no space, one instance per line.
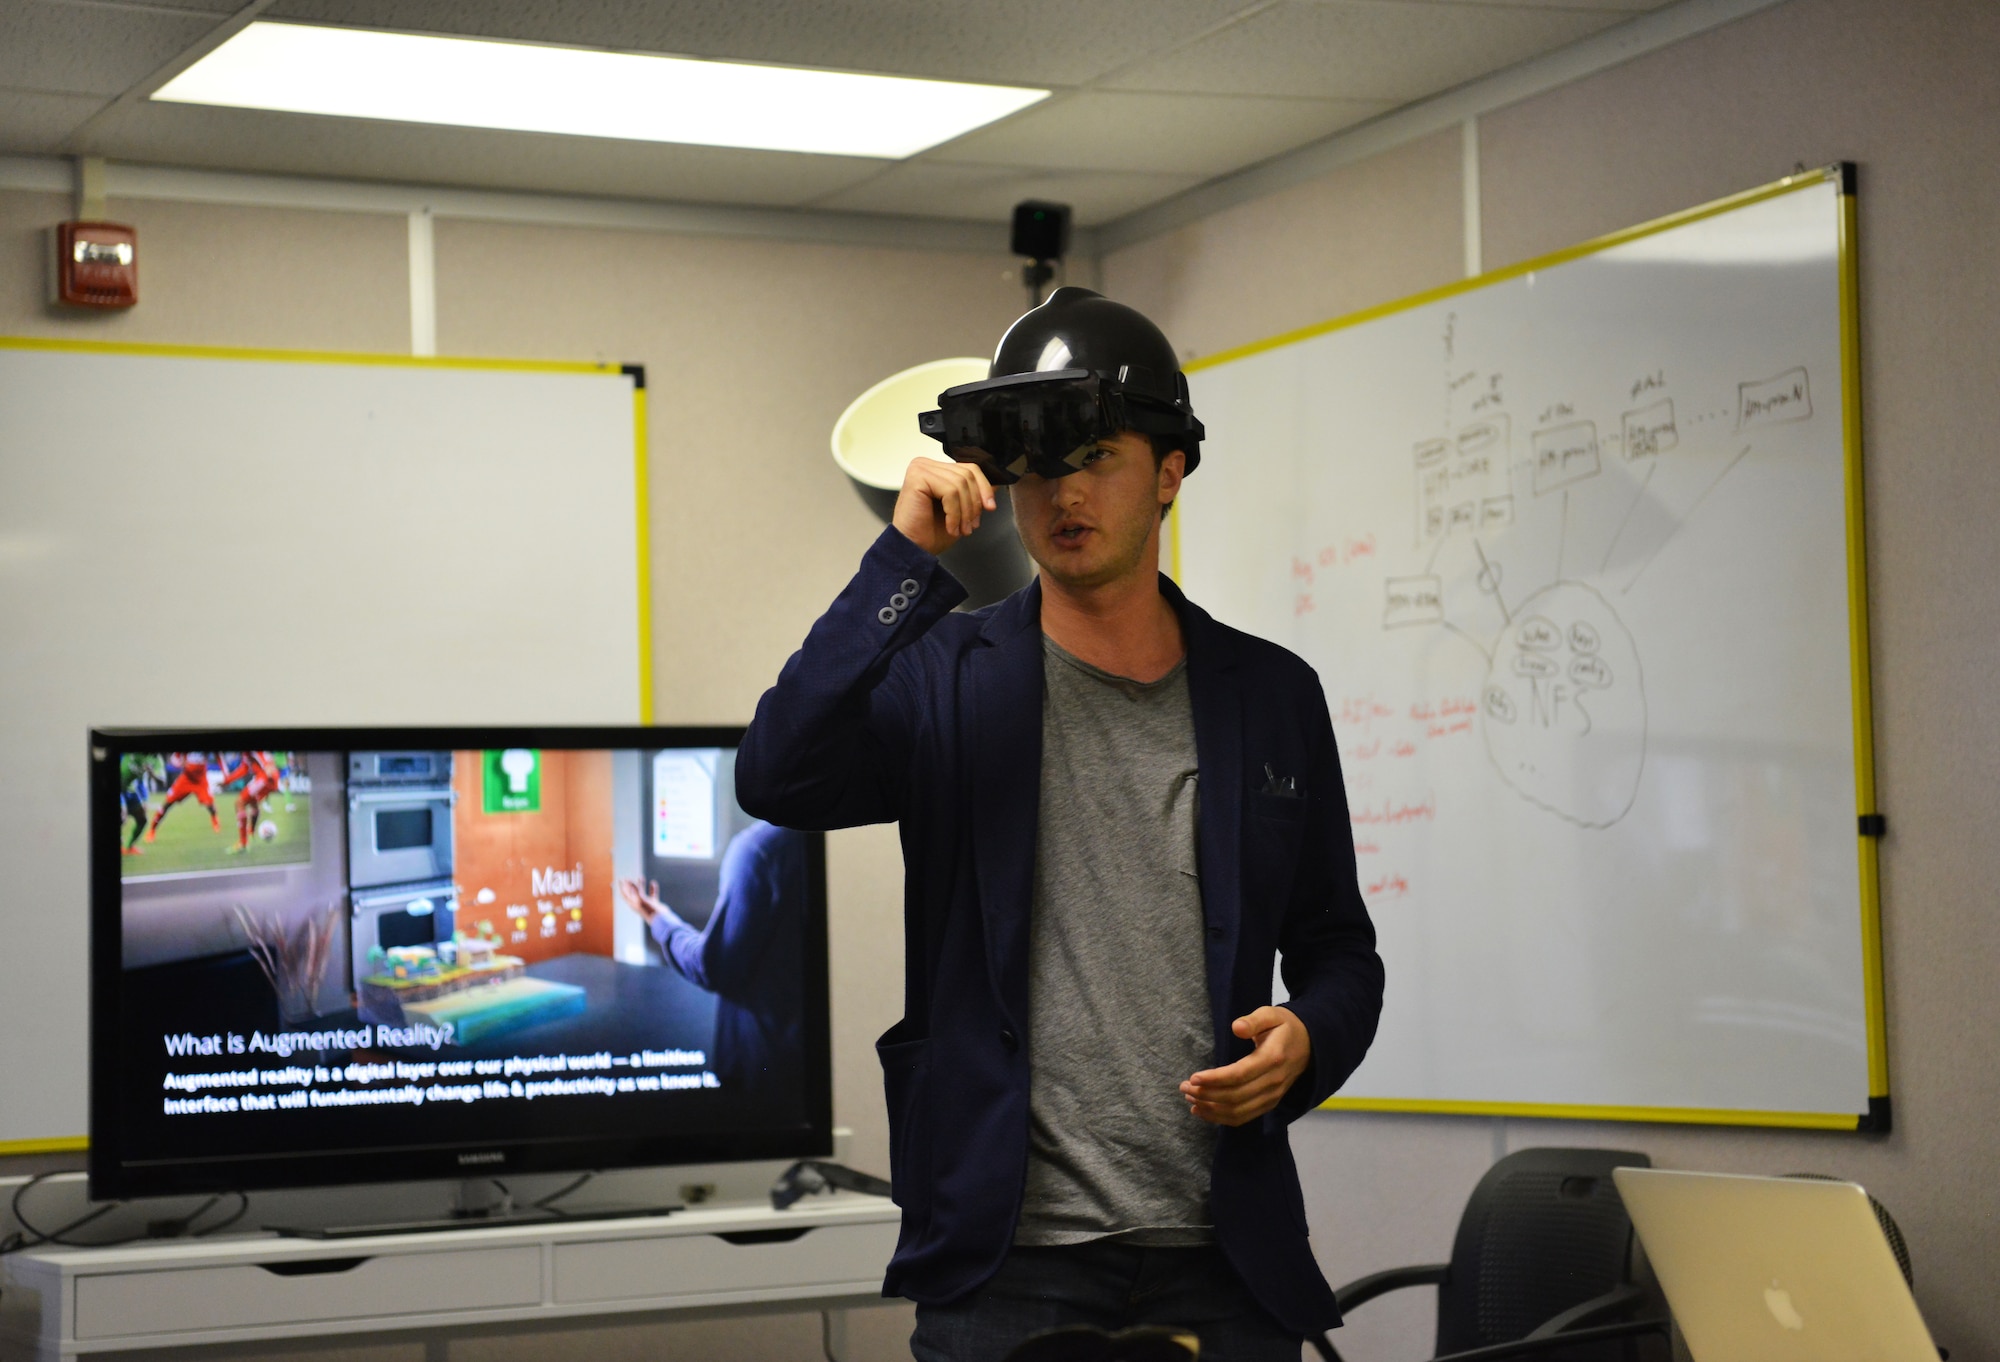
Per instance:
(495,1157)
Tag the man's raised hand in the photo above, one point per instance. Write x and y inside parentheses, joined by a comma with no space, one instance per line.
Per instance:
(1241,1092)
(644,902)
(941,503)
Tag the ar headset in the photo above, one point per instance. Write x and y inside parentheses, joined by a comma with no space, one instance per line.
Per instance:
(1068,374)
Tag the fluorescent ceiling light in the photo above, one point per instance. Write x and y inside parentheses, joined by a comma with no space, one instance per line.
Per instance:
(475,83)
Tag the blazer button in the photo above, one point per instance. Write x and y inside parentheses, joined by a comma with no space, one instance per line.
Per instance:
(1009,1041)
(899,602)
(911,586)
(886,615)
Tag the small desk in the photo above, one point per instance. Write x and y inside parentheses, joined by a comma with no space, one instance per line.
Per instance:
(826,1253)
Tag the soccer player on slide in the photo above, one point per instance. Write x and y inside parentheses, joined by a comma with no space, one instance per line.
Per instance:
(136,774)
(190,778)
(259,774)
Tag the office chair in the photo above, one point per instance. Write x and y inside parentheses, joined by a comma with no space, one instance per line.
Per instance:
(1542,1264)
(1890,1229)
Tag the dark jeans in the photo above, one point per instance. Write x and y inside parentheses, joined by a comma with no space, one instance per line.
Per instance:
(1112,1286)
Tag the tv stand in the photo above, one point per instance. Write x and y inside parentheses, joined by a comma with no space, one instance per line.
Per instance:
(827,1253)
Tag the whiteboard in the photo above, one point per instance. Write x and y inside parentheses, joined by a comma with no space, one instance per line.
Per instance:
(204,538)
(1569,546)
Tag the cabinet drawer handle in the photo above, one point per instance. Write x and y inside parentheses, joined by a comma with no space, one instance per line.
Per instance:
(312,1267)
(783,1235)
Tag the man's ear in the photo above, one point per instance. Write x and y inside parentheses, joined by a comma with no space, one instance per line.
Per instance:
(1173,470)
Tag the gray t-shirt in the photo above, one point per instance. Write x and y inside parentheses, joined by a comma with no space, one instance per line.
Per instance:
(1118,984)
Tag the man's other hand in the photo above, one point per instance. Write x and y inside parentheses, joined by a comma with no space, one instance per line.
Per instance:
(645,902)
(941,503)
(1241,1092)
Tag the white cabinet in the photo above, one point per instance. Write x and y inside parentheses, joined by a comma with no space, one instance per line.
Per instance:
(60,1304)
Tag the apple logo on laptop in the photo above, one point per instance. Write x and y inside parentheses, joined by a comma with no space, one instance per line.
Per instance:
(1779,1302)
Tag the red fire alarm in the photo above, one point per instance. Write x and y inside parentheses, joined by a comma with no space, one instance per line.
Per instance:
(97,264)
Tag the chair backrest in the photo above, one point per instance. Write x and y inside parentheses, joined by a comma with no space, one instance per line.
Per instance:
(1544,1230)
(1890,1229)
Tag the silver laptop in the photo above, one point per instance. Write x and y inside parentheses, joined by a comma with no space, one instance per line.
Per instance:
(1774,1269)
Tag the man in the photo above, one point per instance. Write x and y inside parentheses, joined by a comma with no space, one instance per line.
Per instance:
(137,773)
(1115,811)
(258,772)
(190,777)
(750,955)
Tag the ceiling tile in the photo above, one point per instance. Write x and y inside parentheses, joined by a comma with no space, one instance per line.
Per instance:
(1363,49)
(1039,42)
(36,124)
(989,193)
(1621,7)
(216,7)
(301,144)
(1178,90)
(89,49)
(1173,134)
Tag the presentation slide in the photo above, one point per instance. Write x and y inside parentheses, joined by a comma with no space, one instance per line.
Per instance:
(376,949)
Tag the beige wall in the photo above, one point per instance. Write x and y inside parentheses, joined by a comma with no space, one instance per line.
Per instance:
(1908,91)
(1369,233)
(211,275)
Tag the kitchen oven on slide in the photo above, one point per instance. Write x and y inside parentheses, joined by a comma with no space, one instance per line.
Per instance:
(399,852)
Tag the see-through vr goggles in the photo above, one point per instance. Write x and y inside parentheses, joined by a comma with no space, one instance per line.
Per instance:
(1046,421)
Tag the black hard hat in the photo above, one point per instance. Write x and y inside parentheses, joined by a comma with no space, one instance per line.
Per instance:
(1067,374)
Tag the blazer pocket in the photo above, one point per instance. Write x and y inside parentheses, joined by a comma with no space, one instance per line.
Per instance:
(1272,844)
(1283,808)
(906,1088)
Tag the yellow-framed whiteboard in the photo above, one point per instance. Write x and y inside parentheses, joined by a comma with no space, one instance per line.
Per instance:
(201,536)
(1577,549)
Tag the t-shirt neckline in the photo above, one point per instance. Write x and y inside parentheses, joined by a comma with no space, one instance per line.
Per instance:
(1097,673)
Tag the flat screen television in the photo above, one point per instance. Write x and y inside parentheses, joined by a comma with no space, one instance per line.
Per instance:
(367,955)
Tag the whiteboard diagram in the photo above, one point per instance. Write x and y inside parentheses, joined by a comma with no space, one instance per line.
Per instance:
(1564,706)
(1568,548)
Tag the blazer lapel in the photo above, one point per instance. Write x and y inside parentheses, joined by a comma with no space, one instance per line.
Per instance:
(1216,699)
(1003,743)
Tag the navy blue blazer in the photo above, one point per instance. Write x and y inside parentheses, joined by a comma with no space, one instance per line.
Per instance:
(897,709)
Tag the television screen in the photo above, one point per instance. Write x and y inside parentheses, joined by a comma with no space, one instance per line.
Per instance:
(370,955)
